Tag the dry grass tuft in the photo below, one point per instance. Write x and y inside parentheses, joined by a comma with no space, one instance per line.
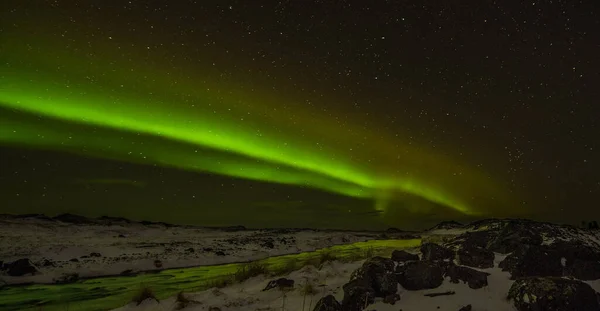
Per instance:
(144,293)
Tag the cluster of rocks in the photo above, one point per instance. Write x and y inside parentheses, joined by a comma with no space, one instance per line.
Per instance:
(547,277)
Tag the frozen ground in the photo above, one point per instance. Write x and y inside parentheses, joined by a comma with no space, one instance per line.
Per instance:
(58,248)
(248,296)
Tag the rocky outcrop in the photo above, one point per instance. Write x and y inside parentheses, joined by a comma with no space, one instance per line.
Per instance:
(357,295)
(281,283)
(420,275)
(431,251)
(328,303)
(551,293)
(20,267)
(585,270)
(402,256)
(378,273)
(474,256)
(528,261)
(560,259)
(475,279)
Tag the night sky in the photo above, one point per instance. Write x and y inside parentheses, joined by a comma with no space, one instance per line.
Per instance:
(330,114)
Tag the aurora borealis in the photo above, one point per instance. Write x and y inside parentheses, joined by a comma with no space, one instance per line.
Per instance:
(347,115)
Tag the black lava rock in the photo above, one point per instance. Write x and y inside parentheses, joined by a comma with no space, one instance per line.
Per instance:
(378,273)
(20,267)
(328,303)
(402,256)
(268,244)
(433,251)
(475,279)
(281,283)
(357,295)
(475,257)
(533,260)
(586,270)
(552,293)
(420,275)
(95,255)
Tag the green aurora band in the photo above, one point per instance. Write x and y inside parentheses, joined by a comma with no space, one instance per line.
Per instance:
(120,112)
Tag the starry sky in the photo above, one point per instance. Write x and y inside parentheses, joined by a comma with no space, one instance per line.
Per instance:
(329,114)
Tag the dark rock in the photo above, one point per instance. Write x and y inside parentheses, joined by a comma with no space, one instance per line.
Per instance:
(357,295)
(127,272)
(552,293)
(74,260)
(533,260)
(433,251)
(121,236)
(20,267)
(401,256)
(268,244)
(328,303)
(572,251)
(475,257)
(73,219)
(189,250)
(513,235)
(420,275)
(378,272)
(207,249)
(95,255)
(475,279)
(448,293)
(158,263)
(585,270)
(1,265)
(84,257)
(466,308)
(111,220)
(47,263)
(281,283)
(214,309)
(391,299)
(393,230)
(67,278)
(220,253)
(451,224)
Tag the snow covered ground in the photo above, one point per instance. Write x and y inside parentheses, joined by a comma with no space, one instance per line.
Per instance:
(248,296)
(58,248)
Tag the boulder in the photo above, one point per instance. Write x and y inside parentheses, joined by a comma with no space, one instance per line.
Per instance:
(357,295)
(67,278)
(552,293)
(586,270)
(20,267)
(378,273)
(432,251)
(528,261)
(466,308)
(402,256)
(420,275)
(475,279)
(281,283)
(475,257)
(328,303)
(512,236)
